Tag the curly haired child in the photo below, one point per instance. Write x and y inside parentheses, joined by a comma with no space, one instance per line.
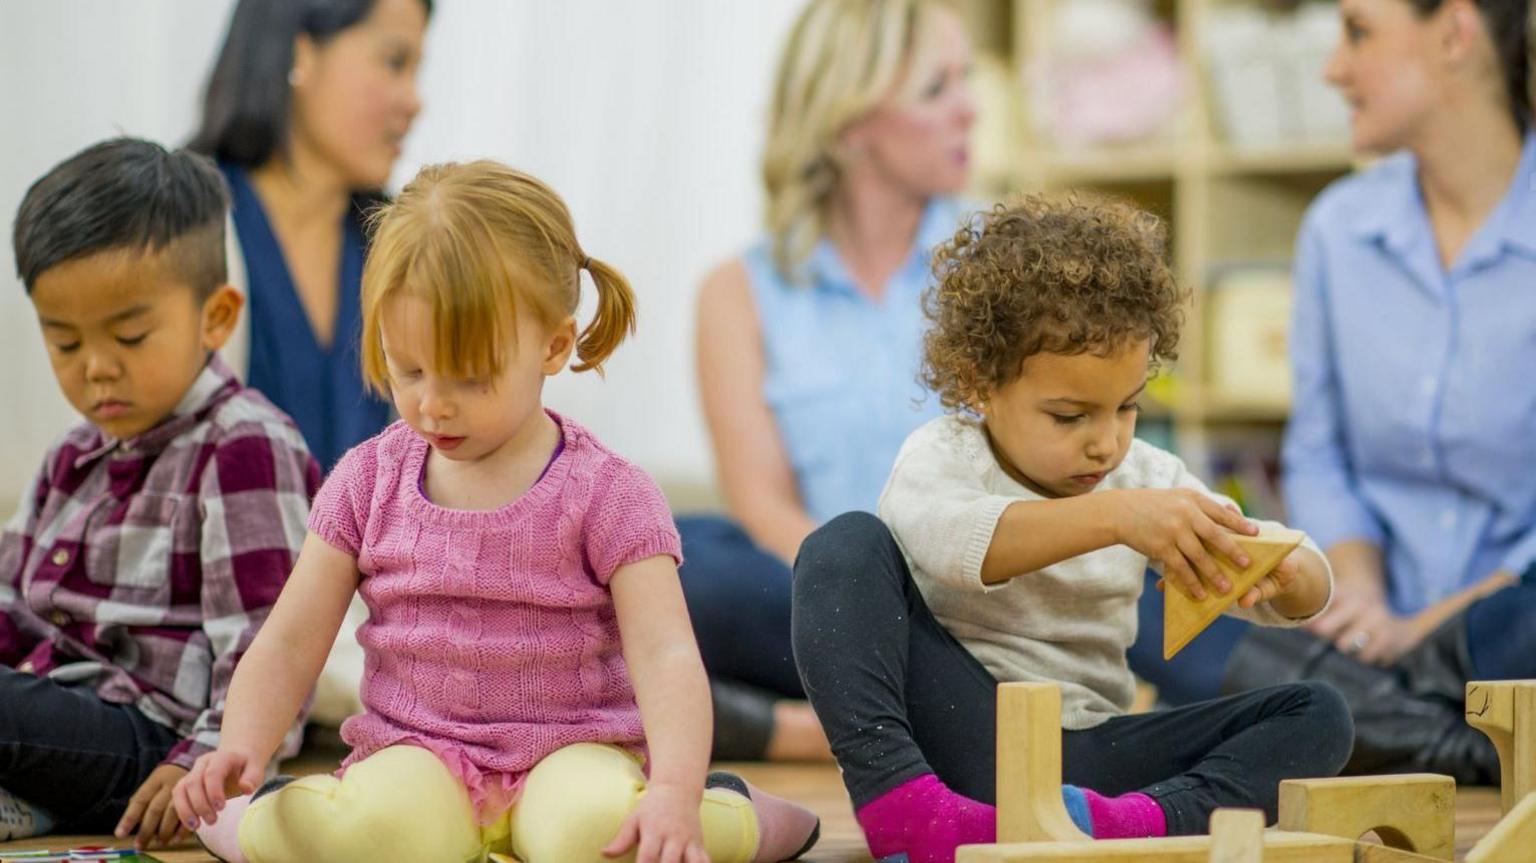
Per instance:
(1011,542)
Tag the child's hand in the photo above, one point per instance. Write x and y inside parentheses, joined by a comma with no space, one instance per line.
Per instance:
(215,777)
(1169,526)
(1280,581)
(151,811)
(666,826)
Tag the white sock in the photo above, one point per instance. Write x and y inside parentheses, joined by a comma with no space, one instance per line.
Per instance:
(20,819)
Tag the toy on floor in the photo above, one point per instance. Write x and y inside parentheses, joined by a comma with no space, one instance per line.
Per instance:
(1237,836)
(86,854)
(1505,710)
(1184,618)
(1413,814)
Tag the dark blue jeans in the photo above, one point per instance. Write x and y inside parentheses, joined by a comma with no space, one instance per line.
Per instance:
(739,598)
(76,756)
(1501,640)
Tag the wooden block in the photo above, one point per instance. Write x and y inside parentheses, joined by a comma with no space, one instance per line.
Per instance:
(1413,811)
(1367,852)
(1505,710)
(1029,804)
(1237,836)
(1184,618)
(1278,848)
(1512,840)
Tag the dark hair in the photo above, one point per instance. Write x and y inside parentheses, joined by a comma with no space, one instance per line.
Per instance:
(1506,21)
(245,111)
(126,193)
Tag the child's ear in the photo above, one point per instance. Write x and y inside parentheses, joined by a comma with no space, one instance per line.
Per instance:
(557,351)
(221,314)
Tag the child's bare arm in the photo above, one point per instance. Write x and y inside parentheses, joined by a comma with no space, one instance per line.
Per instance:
(1171,527)
(673,693)
(280,669)
(274,677)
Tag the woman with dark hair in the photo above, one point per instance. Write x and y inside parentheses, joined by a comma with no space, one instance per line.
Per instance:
(305,112)
(1410,456)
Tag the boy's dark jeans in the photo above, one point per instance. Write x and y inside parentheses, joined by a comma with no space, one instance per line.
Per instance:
(65,750)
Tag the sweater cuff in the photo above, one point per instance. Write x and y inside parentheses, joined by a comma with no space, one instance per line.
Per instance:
(988,513)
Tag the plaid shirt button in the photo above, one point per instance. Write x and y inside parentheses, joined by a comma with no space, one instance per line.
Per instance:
(59,618)
(60,557)
(25,668)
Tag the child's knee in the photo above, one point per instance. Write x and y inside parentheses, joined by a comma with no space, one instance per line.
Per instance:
(401,804)
(573,803)
(1330,727)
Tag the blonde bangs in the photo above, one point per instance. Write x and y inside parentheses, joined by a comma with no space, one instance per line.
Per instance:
(457,268)
(485,246)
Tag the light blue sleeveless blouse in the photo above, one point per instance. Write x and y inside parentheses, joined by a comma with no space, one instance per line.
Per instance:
(842,369)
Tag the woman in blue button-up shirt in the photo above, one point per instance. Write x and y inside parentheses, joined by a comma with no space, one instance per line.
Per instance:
(1411,451)
(809,343)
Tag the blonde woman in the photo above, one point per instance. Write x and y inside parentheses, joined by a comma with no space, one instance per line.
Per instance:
(809,341)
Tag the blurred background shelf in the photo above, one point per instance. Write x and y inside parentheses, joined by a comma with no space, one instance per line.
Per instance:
(1212,114)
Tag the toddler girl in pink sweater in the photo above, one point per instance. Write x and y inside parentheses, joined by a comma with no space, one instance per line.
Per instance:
(532,686)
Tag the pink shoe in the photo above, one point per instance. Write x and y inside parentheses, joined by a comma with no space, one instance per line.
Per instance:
(222,837)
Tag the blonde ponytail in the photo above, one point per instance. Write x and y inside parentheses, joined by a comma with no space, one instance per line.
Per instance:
(614,320)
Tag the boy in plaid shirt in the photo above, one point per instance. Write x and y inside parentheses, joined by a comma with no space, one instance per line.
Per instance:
(160,531)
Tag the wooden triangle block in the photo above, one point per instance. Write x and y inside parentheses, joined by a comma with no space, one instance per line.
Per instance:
(1184,618)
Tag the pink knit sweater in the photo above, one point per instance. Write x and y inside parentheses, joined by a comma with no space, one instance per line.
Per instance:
(491,636)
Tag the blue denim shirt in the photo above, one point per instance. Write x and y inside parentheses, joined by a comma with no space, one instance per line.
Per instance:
(1414,425)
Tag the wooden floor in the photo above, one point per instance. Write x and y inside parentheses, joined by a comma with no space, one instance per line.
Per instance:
(819,787)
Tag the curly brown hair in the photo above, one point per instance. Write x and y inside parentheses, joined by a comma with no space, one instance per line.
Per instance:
(1046,274)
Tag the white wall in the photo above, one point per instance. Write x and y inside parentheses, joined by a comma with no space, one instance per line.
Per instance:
(646,115)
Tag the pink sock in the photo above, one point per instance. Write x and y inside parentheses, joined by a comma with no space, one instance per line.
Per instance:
(926,820)
(1129,816)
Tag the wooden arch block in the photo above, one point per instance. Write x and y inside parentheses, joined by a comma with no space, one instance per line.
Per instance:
(1237,836)
(1414,811)
(1512,840)
(1184,618)
(1505,710)
(1029,804)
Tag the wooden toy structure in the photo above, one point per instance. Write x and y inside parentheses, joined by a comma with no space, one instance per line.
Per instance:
(1321,820)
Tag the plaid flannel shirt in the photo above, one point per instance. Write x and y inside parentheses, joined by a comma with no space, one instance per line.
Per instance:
(143,568)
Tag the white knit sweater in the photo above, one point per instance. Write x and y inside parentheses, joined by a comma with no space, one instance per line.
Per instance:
(1068,623)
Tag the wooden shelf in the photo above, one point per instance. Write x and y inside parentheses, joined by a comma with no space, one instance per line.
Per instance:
(1225,205)
(1229,411)
(1103,166)
(1295,159)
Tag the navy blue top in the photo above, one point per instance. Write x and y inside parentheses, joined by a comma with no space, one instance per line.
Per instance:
(320,387)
